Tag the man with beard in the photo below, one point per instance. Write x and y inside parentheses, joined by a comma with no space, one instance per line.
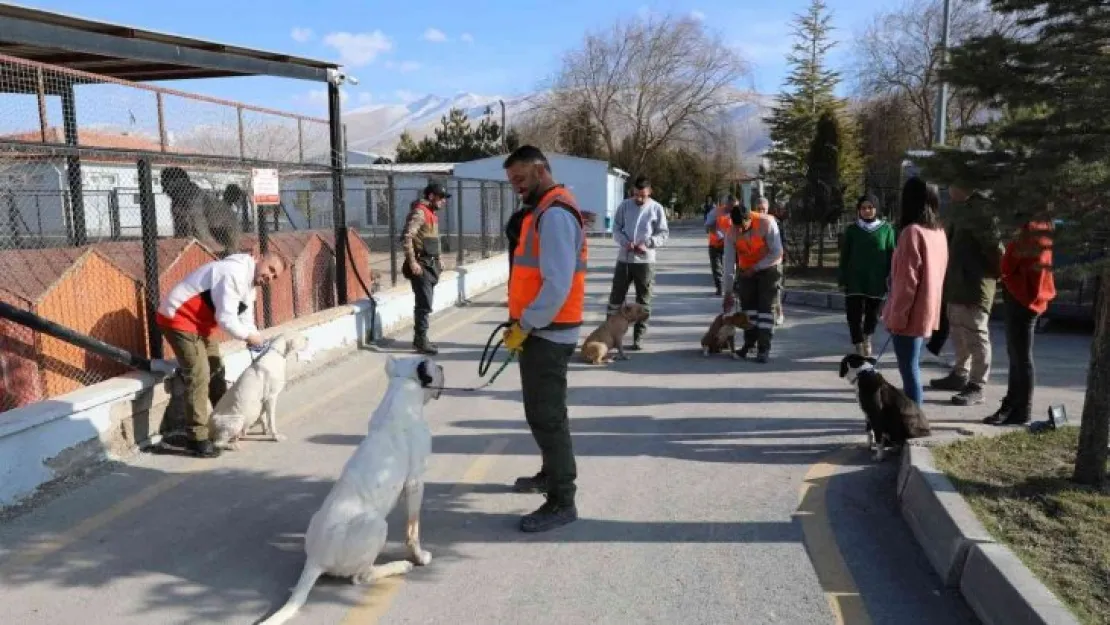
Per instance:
(639,228)
(547,296)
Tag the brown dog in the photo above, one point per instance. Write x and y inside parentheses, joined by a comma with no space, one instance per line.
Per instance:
(610,335)
(722,334)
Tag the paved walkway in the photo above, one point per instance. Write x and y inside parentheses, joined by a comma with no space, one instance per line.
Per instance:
(711,491)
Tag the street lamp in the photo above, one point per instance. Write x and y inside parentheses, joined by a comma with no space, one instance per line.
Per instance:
(942,95)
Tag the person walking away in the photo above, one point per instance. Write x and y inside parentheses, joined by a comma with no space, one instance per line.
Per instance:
(709,207)
(218,294)
(974,255)
(421,245)
(866,249)
(547,298)
(754,245)
(917,268)
(717,224)
(1028,286)
(639,228)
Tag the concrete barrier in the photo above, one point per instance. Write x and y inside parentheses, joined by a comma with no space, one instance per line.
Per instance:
(1001,590)
(940,519)
(997,586)
(58,438)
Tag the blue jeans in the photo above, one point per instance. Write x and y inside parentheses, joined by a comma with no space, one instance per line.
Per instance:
(907,349)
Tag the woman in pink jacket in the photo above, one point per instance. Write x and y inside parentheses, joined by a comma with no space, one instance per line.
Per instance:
(912,310)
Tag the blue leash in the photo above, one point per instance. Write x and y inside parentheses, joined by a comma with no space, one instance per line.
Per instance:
(886,344)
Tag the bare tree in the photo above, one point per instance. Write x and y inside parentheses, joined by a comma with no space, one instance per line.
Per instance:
(898,54)
(648,82)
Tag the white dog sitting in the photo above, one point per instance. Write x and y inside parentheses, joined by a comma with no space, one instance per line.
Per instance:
(253,397)
(347,533)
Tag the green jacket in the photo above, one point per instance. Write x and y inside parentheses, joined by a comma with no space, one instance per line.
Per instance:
(865,260)
(974,255)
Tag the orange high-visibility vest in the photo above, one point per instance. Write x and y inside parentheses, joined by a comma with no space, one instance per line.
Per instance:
(526,280)
(723,223)
(750,244)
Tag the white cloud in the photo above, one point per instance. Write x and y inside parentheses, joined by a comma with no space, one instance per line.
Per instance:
(435,34)
(697,15)
(301,35)
(359,48)
(466,38)
(406,96)
(365,97)
(403,66)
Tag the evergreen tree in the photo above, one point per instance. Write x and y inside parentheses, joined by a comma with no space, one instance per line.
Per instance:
(1048,155)
(808,93)
(579,135)
(824,196)
(454,141)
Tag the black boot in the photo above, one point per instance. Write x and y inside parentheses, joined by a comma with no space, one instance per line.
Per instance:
(422,345)
(203,449)
(531,484)
(550,515)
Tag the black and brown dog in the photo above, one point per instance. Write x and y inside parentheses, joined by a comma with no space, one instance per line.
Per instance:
(892,417)
(721,334)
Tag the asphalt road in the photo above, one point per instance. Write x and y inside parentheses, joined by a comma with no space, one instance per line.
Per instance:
(691,476)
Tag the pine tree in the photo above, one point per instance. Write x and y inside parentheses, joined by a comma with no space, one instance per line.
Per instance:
(808,93)
(454,141)
(824,192)
(1048,155)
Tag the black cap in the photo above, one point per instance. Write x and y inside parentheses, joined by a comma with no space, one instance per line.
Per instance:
(740,212)
(436,189)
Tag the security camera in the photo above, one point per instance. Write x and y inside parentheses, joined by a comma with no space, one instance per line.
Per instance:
(338,77)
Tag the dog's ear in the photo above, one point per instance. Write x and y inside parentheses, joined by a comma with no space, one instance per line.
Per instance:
(844,366)
(422,372)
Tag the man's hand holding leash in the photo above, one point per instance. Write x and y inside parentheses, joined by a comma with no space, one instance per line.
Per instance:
(514,338)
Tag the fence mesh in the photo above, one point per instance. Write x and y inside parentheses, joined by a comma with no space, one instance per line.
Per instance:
(112,192)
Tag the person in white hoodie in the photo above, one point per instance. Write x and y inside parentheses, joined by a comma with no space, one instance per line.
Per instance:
(639,228)
(219,294)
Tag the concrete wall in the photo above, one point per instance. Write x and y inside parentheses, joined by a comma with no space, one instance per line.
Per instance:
(57,438)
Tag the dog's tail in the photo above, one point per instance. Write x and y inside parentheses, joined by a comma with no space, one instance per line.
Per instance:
(304,585)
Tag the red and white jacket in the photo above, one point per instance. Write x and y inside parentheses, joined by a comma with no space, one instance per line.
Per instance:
(217,294)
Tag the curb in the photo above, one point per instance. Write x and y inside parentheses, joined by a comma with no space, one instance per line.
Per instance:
(997,586)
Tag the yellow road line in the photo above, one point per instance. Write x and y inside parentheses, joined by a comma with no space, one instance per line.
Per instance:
(28,556)
(832,572)
(379,597)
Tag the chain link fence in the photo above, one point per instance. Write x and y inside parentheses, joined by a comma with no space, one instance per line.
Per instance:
(112,192)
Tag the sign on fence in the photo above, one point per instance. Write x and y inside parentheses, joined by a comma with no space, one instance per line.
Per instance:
(264,182)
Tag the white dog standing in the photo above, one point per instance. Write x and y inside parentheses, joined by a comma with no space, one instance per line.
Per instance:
(253,397)
(348,532)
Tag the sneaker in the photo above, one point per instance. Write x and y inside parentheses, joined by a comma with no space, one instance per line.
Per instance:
(762,357)
(744,351)
(971,395)
(950,382)
(548,517)
(637,344)
(1000,415)
(203,449)
(867,347)
(1016,417)
(531,484)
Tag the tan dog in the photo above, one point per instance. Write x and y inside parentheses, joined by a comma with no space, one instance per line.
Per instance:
(610,335)
(722,334)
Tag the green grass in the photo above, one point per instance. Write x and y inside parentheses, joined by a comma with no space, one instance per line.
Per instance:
(1018,485)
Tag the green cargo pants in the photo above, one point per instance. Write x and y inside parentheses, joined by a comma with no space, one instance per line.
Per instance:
(202,369)
(543,378)
(642,277)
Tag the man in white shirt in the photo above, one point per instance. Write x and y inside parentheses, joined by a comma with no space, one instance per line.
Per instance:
(639,228)
(219,294)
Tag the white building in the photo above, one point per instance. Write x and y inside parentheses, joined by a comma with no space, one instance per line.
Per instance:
(598,187)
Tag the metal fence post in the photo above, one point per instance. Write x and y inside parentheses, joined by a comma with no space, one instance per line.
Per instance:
(484,219)
(392,229)
(501,244)
(338,192)
(264,247)
(460,258)
(148,219)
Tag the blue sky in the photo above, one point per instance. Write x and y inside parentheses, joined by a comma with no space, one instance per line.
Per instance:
(402,50)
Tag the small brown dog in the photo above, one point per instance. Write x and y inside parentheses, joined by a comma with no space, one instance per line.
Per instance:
(610,335)
(722,334)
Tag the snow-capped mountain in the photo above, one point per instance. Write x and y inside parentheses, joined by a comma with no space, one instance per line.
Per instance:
(377,128)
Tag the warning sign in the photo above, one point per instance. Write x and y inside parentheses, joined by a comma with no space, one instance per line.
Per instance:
(264,182)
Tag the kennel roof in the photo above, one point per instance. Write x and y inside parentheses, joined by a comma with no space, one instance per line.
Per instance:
(136,54)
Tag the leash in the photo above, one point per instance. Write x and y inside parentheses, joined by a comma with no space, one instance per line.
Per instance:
(486,361)
(886,344)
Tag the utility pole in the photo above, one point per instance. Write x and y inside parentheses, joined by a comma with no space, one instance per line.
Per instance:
(942,93)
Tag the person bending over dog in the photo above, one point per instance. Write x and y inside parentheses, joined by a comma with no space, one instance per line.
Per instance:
(754,246)
(218,294)
(547,296)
